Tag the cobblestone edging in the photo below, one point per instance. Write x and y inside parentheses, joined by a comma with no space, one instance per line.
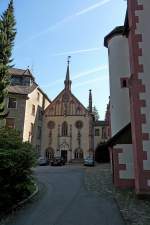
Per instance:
(21,203)
(134,211)
(28,198)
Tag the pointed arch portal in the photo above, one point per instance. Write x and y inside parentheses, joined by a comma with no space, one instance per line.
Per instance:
(64,148)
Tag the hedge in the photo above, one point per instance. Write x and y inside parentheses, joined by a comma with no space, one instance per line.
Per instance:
(16,161)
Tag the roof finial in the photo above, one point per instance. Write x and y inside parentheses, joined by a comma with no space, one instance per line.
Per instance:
(69,57)
(90,101)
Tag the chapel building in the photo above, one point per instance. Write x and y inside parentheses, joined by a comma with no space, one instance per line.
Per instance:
(68,126)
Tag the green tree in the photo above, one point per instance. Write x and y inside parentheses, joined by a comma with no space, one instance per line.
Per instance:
(95,113)
(7,37)
(16,161)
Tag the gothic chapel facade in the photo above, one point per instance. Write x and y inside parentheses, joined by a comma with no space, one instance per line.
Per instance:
(68,126)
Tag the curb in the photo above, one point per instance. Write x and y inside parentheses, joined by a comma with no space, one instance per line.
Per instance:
(27,199)
(120,211)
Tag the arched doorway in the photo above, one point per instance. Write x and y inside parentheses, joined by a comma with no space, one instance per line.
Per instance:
(64,148)
(49,153)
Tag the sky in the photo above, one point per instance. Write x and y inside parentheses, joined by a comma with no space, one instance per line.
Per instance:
(50,30)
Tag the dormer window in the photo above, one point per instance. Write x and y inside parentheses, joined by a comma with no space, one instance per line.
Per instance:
(21,80)
(15,80)
(26,81)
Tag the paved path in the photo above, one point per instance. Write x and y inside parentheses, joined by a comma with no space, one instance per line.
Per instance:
(64,200)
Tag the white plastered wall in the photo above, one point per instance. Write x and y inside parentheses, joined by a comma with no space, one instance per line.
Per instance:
(126,157)
(119,97)
(29,118)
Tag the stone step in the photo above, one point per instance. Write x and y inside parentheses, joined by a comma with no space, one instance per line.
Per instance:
(77,161)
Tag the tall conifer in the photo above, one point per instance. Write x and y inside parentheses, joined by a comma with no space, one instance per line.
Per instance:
(7,37)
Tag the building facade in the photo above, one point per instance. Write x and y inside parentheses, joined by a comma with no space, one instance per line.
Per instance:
(129,51)
(26,103)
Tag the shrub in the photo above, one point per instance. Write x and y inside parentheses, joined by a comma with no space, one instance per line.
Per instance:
(16,160)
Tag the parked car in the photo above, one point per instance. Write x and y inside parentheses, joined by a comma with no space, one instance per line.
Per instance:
(57,161)
(89,161)
(42,161)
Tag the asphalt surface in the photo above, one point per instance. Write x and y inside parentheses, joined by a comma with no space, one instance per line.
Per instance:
(64,200)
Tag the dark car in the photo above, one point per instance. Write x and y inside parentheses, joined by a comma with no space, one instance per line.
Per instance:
(57,161)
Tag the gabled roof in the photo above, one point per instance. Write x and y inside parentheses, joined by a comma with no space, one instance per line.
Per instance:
(23,90)
(116,31)
(124,136)
(46,96)
(124,30)
(55,99)
(71,96)
(80,103)
(21,72)
(126,24)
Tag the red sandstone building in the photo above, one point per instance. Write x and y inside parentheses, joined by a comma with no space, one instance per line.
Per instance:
(129,54)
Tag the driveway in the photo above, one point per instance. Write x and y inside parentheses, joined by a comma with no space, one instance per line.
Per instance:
(64,200)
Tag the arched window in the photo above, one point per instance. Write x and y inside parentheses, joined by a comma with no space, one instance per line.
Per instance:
(78,154)
(64,130)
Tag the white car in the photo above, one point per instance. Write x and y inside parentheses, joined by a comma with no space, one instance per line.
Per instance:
(42,161)
(89,161)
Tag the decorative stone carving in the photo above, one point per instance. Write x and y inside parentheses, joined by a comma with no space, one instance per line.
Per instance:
(79,138)
(51,124)
(79,124)
(65,97)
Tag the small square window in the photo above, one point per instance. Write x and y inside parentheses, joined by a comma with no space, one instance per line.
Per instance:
(38,96)
(124,82)
(12,103)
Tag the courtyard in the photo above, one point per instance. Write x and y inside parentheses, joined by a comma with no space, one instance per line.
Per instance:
(64,198)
